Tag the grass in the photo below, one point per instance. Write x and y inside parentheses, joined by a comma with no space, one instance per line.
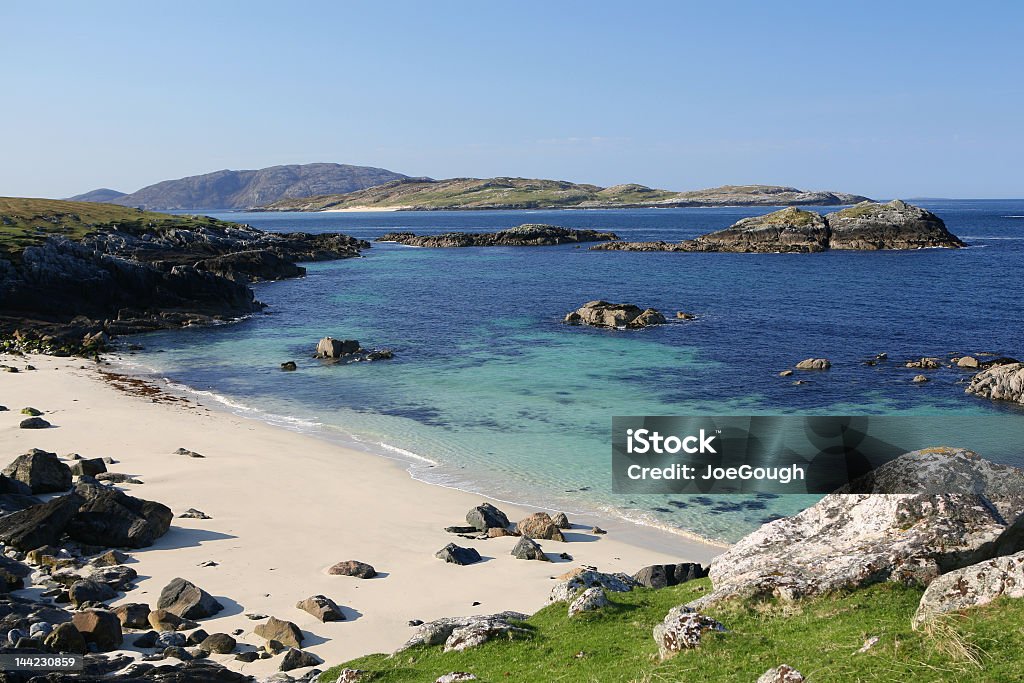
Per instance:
(859,210)
(788,216)
(819,637)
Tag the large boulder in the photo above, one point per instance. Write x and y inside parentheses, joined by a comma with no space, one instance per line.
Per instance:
(12,574)
(485,516)
(321,607)
(109,517)
(43,472)
(528,549)
(297,659)
(540,525)
(604,314)
(665,575)
(581,580)
(100,627)
(284,632)
(999,383)
(329,347)
(814,364)
(973,586)
(682,629)
(66,639)
(863,535)
(39,525)
(133,615)
(187,600)
(88,590)
(455,554)
(460,633)
(219,643)
(896,225)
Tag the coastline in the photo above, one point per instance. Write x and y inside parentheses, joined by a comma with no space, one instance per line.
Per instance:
(286,505)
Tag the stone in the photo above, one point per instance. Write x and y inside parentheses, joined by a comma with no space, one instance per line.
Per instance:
(460,633)
(785,373)
(455,677)
(967,362)
(219,644)
(88,468)
(12,574)
(289,366)
(495,532)
(196,637)
(783,673)
(117,478)
(297,659)
(111,518)
(247,657)
(146,640)
(561,521)
(540,526)
(39,525)
(162,620)
(972,586)
(924,364)
(321,607)
(598,531)
(920,379)
(133,615)
(485,516)
(117,577)
(34,423)
(43,472)
(454,554)
(100,627)
(192,513)
(350,676)
(360,570)
(285,632)
(682,629)
(814,364)
(580,580)
(90,591)
(862,534)
(589,600)
(617,316)
(528,549)
(187,600)
(665,575)
(67,639)
(191,454)
(680,315)
(177,652)
(31,412)
(328,347)
(999,383)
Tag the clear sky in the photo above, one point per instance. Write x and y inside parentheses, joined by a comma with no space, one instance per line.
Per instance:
(885,99)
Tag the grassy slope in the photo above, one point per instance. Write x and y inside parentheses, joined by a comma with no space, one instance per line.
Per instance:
(25,222)
(819,637)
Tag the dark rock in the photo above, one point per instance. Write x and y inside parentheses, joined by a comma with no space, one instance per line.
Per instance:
(192,513)
(247,657)
(13,486)
(461,530)
(336,348)
(34,423)
(187,600)
(284,632)
(191,454)
(43,472)
(133,615)
(90,591)
(196,637)
(289,366)
(664,575)
(528,549)
(114,478)
(454,554)
(12,574)
(297,659)
(110,558)
(66,638)
(485,516)
(528,235)
(146,640)
(219,643)
(177,652)
(163,620)
(39,525)
(88,468)
(100,627)
(321,607)
(111,518)
(353,568)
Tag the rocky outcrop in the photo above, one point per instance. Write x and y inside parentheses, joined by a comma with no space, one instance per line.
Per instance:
(863,534)
(999,383)
(459,633)
(867,226)
(528,235)
(348,351)
(43,472)
(485,516)
(814,364)
(590,578)
(682,629)
(604,314)
(972,586)
(39,525)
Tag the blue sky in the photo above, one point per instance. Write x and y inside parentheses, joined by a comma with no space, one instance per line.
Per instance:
(884,99)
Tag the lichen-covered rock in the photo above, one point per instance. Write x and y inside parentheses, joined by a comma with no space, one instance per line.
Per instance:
(782,673)
(972,586)
(605,314)
(896,225)
(458,633)
(999,383)
(590,578)
(540,526)
(789,229)
(528,549)
(42,471)
(682,629)
(814,364)
(864,535)
(485,516)
(589,600)
(187,600)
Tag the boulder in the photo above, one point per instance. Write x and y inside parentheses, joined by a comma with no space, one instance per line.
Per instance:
(682,629)
(665,575)
(284,632)
(495,532)
(43,472)
(896,225)
(561,521)
(100,627)
(967,362)
(924,364)
(540,526)
(34,423)
(133,615)
(485,516)
(782,673)
(39,525)
(88,590)
(328,347)
(289,366)
(66,639)
(863,534)
(354,568)
(604,314)
(12,574)
(219,643)
(460,633)
(109,517)
(999,383)
(589,600)
(110,558)
(321,607)
(88,468)
(117,577)
(528,549)
(920,379)
(187,600)
(972,586)
(455,677)
(297,659)
(454,554)
(162,620)
(814,364)
(583,579)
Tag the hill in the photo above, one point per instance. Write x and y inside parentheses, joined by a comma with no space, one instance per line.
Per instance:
(425,194)
(103,195)
(237,190)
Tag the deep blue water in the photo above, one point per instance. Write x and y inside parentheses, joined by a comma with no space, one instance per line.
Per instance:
(502,398)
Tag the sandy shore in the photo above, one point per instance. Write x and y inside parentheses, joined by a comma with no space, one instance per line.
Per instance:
(365,209)
(286,506)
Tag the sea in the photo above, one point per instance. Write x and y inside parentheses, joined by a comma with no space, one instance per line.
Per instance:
(490,392)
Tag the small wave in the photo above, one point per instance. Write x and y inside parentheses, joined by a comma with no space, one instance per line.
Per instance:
(985,237)
(395,449)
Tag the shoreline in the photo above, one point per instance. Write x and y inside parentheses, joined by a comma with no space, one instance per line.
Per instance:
(286,505)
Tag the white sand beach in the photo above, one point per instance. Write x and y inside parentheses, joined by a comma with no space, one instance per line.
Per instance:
(286,506)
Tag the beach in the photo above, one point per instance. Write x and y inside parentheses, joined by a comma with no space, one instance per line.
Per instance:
(285,506)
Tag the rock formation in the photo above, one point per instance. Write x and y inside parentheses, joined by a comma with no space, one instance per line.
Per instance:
(999,383)
(605,314)
(527,235)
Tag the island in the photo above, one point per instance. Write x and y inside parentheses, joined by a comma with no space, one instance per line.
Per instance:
(527,235)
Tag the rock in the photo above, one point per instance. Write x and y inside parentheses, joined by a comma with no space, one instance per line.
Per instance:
(177,652)
(191,454)
(111,518)
(462,530)
(896,225)
(328,347)
(110,558)
(527,235)
(685,316)
(187,600)
(682,629)
(133,615)
(814,364)
(589,600)
(117,577)
(561,521)
(485,516)
(88,468)
(999,383)
(168,639)
(117,478)
(66,638)
(360,570)
(598,531)
(920,379)
(31,412)
(528,549)
(540,526)
(455,554)
(604,314)
(495,532)
(665,575)
(196,637)
(783,673)
(284,632)
(39,525)
(247,657)
(321,607)
(460,633)
(786,230)
(968,362)
(581,580)
(100,627)
(785,373)
(192,513)
(146,640)
(289,366)
(90,591)
(350,676)
(455,677)
(219,643)
(34,423)
(924,364)
(162,620)
(972,586)
(297,659)
(43,472)
(856,537)
(868,644)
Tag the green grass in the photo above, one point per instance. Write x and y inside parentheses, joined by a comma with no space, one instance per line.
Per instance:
(819,637)
(859,210)
(788,216)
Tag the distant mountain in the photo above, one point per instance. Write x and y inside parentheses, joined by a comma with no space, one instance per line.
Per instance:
(248,189)
(103,195)
(425,194)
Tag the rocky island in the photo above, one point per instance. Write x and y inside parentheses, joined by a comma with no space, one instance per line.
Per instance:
(867,226)
(527,235)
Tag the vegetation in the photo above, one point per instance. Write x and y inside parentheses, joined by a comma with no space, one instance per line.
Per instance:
(791,216)
(819,637)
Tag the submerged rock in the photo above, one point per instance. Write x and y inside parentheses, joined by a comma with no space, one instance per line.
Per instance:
(604,314)
(999,383)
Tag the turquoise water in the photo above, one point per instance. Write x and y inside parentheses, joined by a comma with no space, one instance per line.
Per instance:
(490,392)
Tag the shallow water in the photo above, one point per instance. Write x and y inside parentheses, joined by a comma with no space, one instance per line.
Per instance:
(489,392)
